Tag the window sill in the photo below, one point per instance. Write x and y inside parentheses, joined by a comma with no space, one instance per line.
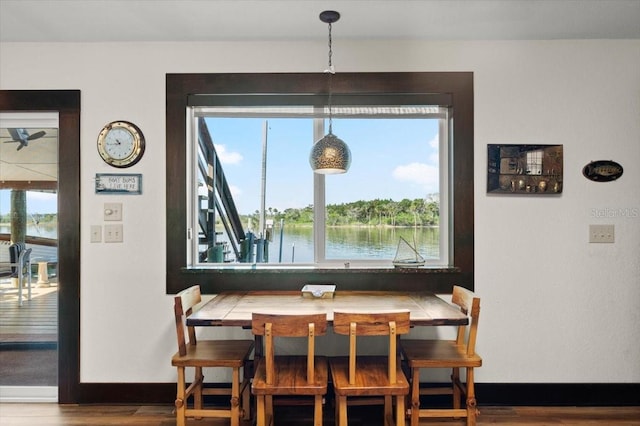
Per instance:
(252,269)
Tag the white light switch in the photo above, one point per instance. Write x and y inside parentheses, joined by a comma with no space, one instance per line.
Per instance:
(96,233)
(601,233)
(112,211)
(113,233)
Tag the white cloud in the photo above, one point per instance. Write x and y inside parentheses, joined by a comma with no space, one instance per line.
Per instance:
(41,196)
(236,192)
(228,157)
(435,141)
(418,173)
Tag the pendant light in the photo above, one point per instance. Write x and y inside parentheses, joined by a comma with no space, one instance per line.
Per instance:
(330,155)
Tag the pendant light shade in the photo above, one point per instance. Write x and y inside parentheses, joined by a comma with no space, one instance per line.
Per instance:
(330,155)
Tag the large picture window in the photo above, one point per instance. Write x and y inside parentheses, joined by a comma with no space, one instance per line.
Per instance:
(390,206)
(243,202)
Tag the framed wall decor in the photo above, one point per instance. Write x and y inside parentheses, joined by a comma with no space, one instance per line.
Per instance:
(524,169)
(119,183)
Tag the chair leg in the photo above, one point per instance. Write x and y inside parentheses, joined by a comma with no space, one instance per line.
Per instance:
(235,397)
(269,410)
(317,410)
(388,408)
(20,284)
(246,400)
(260,411)
(342,411)
(197,391)
(180,402)
(455,378)
(472,405)
(29,282)
(400,414)
(415,396)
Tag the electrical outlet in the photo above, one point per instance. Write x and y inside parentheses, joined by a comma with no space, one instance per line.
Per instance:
(112,211)
(113,233)
(96,233)
(601,233)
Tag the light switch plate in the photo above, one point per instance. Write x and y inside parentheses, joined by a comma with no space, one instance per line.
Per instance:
(96,233)
(601,233)
(112,211)
(113,233)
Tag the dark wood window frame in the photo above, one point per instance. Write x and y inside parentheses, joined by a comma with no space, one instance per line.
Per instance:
(455,87)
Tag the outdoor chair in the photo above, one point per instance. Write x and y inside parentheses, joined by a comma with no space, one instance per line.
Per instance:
(20,264)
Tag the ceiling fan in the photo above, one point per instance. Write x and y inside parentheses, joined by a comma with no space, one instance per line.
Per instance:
(22,137)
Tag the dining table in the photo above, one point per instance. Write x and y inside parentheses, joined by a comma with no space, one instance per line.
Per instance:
(234,308)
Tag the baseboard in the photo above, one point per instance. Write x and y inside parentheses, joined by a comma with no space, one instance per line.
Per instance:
(490,394)
(561,394)
(28,394)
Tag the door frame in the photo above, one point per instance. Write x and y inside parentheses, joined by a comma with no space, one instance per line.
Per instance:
(67,104)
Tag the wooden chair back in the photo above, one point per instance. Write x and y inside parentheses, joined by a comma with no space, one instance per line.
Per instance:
(183,304)
(354,324)
(275,325)
(470,305)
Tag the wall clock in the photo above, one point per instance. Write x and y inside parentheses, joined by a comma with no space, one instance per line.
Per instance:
(121,144)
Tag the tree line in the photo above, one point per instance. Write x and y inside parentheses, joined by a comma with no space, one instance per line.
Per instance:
(36,218)
(416,212)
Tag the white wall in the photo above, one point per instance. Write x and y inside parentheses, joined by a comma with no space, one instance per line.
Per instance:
(555,308)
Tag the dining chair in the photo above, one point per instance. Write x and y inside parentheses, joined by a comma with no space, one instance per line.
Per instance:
(371,375)
(287,375)
(454,354)
(198,354)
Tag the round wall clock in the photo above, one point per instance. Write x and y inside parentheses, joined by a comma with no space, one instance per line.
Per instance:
(121,144)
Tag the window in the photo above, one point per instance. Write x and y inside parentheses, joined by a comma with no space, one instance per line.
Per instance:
(429,106)
(534,162)
(387,207)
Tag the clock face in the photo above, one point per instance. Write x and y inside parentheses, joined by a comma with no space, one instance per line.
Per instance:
(121,144)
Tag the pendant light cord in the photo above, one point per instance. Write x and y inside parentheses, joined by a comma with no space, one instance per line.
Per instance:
(331,71)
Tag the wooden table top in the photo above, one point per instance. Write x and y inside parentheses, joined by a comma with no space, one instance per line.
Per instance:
(235,308)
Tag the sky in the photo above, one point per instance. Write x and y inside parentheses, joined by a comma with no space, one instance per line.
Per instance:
(37,202)
(391,159)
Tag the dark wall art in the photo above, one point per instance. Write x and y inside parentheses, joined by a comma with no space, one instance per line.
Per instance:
(524,169)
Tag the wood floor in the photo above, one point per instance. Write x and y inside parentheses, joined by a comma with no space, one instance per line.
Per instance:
(37,321)
(162,415)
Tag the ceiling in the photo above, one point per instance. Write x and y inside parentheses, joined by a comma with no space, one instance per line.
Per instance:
(35,166)
(219,20)
(246,20)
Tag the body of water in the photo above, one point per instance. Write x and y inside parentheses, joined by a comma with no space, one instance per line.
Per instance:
(357,243)
(47,230)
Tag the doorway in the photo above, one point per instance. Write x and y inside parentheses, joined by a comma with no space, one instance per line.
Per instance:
(29,245)
(66,104)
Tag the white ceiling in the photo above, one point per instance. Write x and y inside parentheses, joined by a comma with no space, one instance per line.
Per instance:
(211,20)
(38,161)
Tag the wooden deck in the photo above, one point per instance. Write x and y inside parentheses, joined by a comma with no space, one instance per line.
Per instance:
(35,321)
